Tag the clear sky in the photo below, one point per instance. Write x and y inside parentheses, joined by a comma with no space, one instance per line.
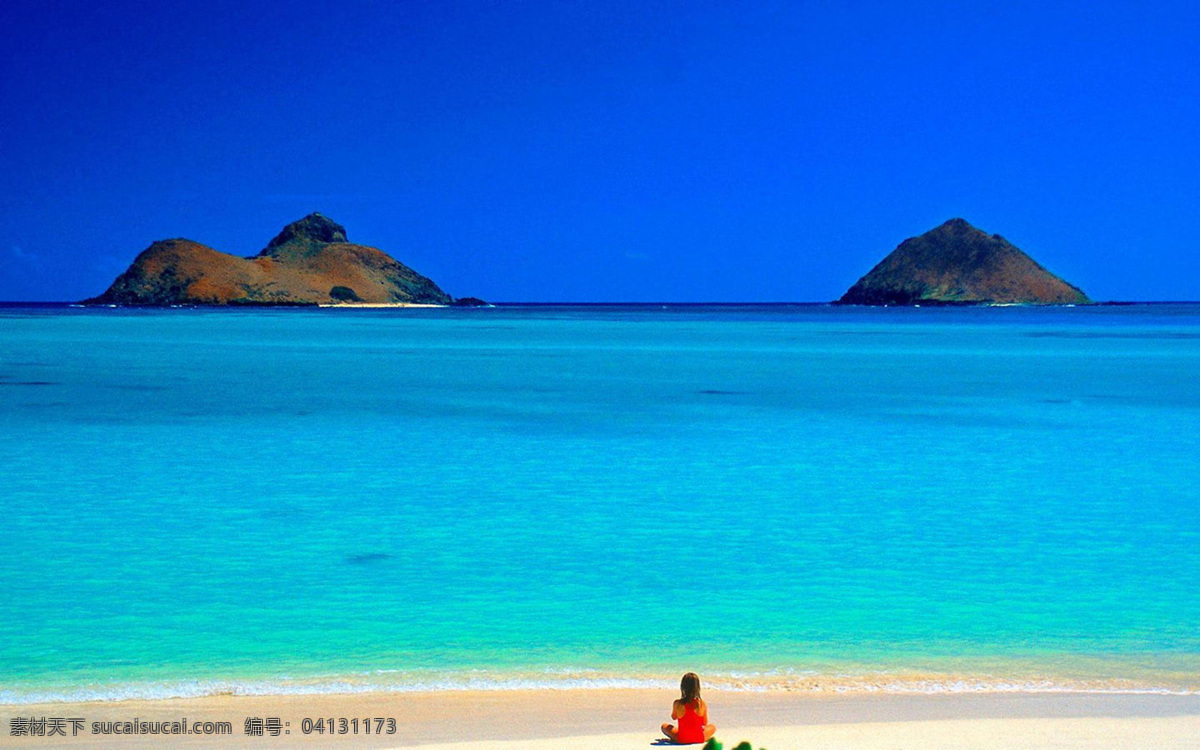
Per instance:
(604,151)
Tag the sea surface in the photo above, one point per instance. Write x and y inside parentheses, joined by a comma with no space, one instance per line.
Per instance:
(777,497)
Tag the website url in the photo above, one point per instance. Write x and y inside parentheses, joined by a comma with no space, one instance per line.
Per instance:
(162,727)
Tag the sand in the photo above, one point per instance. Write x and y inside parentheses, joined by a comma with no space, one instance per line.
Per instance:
(587,719)
(371,305)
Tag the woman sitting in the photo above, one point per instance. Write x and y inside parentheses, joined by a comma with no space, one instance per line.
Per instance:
(692,714)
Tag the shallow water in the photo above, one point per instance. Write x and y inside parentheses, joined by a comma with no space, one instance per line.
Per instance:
(294,500)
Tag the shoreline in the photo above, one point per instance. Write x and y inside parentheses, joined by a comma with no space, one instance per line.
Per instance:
(617,718)
(811,684)
(1019,678)
(372,305)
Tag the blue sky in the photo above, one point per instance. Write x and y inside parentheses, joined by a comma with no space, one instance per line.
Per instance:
(604,151)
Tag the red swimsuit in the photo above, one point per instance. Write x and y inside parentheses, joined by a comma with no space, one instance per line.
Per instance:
(691,727)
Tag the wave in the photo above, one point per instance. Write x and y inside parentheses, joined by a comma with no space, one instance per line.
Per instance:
(420,681)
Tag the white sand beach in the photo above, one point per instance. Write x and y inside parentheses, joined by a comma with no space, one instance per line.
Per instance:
(371,305)
(606,719)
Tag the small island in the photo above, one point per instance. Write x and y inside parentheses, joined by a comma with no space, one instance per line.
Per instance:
(957,264)
(310,262)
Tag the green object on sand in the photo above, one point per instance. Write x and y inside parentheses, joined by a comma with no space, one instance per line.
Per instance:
(714,745)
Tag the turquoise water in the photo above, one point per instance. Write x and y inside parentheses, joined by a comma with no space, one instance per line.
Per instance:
(805,497)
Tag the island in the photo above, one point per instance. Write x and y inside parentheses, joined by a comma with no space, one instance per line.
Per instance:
(957,264)
(310,262)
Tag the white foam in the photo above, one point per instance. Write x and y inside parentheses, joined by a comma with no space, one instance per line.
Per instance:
(419,681)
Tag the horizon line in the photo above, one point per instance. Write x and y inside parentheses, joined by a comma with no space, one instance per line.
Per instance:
(616,303)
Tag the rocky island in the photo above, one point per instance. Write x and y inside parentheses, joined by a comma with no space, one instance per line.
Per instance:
(957,264)
(310,262)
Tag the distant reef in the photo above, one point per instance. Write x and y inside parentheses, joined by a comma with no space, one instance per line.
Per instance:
(957,264)
(310,262)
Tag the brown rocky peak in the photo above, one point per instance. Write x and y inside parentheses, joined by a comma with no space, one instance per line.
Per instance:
(312,229)
(957,264)
(309,263)
(956,226)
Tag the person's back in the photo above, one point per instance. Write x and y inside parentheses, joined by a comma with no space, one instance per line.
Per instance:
(692,714)
(692,719)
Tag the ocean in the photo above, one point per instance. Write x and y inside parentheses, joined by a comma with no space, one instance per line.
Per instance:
(796,497)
